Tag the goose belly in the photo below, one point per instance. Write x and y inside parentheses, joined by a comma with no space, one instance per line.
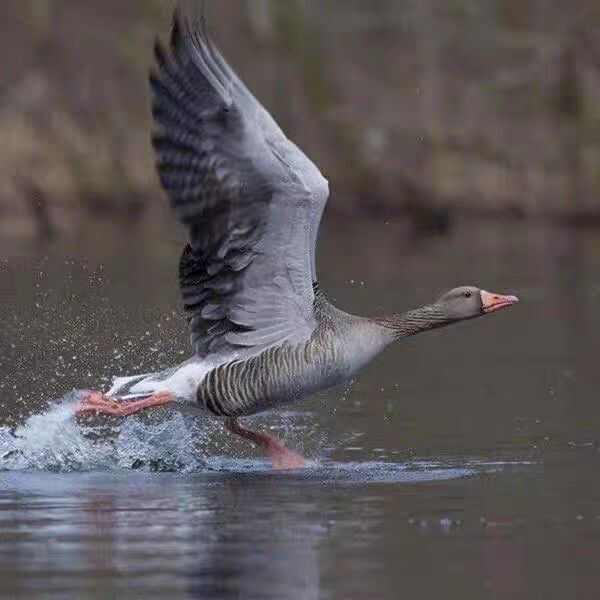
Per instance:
(181,381)
(277,376)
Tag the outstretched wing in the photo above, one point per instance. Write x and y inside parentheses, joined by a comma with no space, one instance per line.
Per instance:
(252,201)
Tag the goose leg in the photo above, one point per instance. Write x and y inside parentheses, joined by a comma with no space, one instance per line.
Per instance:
(281,457)
(97,403)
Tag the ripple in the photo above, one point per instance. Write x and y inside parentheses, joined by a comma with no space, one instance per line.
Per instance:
(347,472)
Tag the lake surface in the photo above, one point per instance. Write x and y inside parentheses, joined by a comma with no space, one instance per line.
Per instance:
(463,464)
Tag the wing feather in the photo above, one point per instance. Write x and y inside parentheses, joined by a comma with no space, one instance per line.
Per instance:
(252,201)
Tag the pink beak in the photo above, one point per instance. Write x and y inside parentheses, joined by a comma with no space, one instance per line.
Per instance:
(493,302)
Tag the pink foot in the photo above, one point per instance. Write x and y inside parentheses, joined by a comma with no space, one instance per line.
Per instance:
(99,404)
(282,458)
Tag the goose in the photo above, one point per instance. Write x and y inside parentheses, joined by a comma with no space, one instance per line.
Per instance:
(262,331)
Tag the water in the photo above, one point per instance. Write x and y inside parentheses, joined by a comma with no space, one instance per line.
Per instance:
(459,465)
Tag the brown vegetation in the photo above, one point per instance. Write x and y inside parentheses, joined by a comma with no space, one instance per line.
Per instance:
(415,105)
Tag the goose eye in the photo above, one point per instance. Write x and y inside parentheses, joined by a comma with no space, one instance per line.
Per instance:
(468,294)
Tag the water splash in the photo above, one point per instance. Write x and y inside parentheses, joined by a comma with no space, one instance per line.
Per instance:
(167,440)
(161,440)
(55,441)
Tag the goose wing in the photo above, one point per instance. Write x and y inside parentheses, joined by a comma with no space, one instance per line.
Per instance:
(251,200)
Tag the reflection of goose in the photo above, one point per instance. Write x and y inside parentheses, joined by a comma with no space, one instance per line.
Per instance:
(236,556)
(263,333)
(204,536)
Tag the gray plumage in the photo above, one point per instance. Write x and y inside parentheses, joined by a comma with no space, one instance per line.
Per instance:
(250,198)
(288,372)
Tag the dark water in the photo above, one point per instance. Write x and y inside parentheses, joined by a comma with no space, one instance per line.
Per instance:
(462,464)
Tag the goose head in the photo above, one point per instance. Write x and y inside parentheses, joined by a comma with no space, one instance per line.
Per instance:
(469,302)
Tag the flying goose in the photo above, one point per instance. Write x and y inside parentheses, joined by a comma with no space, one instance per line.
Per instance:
(263,334)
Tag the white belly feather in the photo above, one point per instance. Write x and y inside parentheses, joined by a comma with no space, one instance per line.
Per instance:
(181,381)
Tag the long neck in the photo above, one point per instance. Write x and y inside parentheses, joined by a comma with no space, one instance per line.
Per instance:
(415,321)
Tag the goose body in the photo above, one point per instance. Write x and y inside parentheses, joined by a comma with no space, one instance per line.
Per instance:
(248,383)
(262,332)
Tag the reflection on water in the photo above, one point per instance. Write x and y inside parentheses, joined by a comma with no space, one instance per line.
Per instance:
(460,465)
(208,535)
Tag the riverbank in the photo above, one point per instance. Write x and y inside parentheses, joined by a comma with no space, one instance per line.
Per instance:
(501,125)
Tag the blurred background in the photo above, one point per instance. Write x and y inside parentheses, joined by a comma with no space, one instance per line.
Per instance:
(486,107)
(461,139)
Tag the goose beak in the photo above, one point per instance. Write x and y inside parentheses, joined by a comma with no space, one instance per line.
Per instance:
(493,302)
